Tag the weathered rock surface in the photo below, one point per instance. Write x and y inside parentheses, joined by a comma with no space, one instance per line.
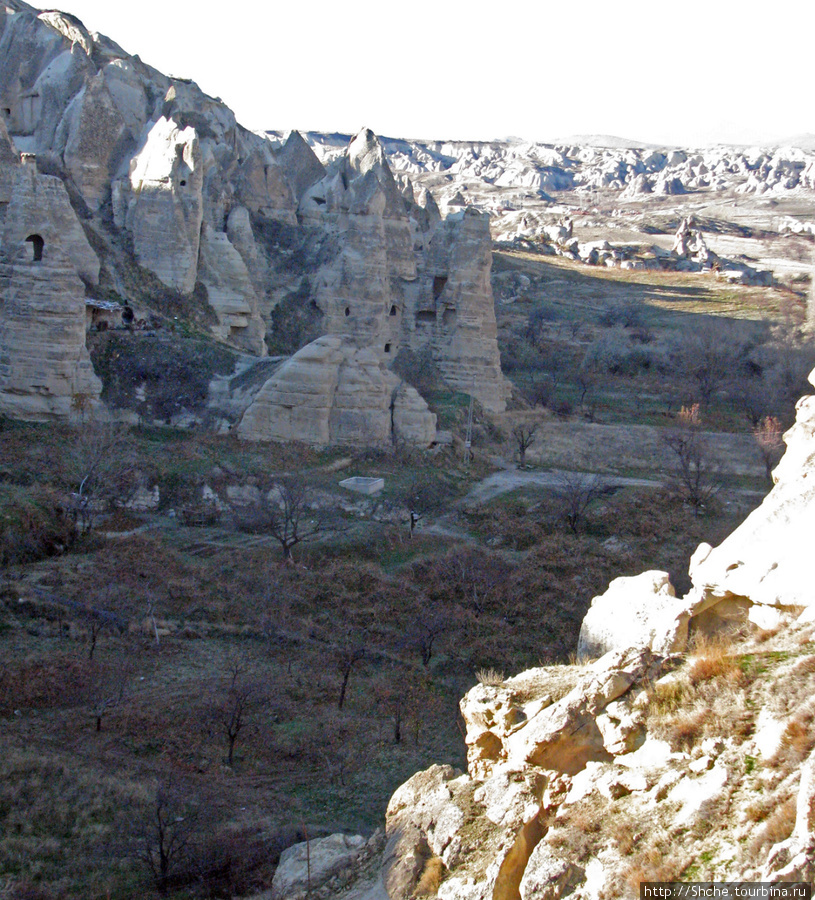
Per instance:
(766,560)
(44,363)
(307,866)
(258,240)
(332,392)
(642,611)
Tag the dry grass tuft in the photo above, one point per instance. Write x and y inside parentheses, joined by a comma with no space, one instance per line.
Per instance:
(804,667)
(778,827)
(760,809)
(490,677)
(797,741)
(687,729)
(713,658)
(431,878)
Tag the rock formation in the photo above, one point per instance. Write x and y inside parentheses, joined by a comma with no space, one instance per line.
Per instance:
(585,780)
(158,196)
(44,364)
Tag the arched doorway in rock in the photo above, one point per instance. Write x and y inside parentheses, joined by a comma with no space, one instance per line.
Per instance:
(37,246)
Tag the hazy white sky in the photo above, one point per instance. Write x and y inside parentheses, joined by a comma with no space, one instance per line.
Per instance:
(675,73)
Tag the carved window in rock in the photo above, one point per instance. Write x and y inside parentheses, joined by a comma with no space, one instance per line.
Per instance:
(387,348)
(425,317)
(450,317)
(37,246)
(439,284)
(394,311)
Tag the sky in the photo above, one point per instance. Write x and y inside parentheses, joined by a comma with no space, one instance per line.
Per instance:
(685,74)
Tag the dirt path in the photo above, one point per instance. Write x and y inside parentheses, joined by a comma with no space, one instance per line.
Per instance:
(508,480)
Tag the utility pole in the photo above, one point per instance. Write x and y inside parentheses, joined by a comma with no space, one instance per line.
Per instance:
(468,438)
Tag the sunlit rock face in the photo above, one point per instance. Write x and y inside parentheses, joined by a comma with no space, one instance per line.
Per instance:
(155,193)
(44,363)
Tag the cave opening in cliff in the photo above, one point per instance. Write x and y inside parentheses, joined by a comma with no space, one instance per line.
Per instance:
(426,317)
(450,317)
(393,311)
(439,283)
(37,246)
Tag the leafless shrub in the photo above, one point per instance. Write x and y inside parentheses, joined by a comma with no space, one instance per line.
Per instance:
(578,493)
(523,436)
(696,475)
(778,827)
(287,512)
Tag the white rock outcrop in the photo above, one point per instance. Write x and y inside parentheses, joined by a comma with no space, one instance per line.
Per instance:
(766,559)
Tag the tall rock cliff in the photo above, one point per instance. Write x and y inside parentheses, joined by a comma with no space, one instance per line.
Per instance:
(173,205)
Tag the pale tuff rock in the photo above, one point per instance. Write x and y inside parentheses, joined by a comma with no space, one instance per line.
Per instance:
(306,866)
(453,311)
(163,175)
(642,611)
(96,132)
(43,252)
(161,204)
(301,167)
(42,369)
(230,292)
(794,858)
(39,204)
(332,392)
(767,560)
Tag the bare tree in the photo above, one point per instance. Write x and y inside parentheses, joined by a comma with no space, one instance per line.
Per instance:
(524,437)
(166,834)
(350,652)
(287,513)
(229,712)
(708,354)
(579,492)
(428,624)
(768,434)
(107,692)
(423,494)
(101,464)
(696,476)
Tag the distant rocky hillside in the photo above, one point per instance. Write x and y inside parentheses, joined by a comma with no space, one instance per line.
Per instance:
(685,752)
(620,196)
(126,193)
(598,165)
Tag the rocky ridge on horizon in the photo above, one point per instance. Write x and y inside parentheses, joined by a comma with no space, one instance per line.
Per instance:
(621,197)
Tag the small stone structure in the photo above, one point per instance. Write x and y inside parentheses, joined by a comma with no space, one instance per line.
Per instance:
(362,485)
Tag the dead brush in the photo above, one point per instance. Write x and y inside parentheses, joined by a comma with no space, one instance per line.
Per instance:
(713,658)
(686,728)
(804,667)
(759,809)
(658,860)
(624,831)
(577,832)
(431,878)
(668,697)
(797,741)
(778,827)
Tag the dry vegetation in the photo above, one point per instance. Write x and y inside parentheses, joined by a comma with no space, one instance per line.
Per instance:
(154,674)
